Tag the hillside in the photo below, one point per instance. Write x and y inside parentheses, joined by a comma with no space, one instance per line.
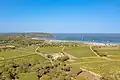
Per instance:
(6,36)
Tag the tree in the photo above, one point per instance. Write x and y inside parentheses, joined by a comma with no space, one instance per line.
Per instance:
(25,67)
(64,58)
(56,63)
(50,56)
(40,73)
(13,74)
(66,68)
(1,76)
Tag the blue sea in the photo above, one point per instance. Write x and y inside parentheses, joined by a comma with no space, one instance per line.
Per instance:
(87,37)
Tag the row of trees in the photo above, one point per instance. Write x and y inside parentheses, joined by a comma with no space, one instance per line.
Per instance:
(100,54)
(58,45)
(14,42)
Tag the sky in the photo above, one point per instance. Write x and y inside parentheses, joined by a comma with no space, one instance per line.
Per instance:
(60,16)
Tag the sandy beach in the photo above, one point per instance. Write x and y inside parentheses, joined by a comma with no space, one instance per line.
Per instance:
(86,43)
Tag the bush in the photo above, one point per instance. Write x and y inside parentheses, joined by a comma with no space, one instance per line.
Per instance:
(66,68)
(64,58)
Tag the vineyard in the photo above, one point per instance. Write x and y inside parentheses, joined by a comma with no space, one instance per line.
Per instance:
(81,51)
(66,60)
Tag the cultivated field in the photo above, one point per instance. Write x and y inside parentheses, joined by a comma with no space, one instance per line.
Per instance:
(21,55)
(82,51)
(108,51)
(86,59)
(12,53)
(50,49)
(115,57)
(89,59)
(24,76)
(29,49)
(104,68)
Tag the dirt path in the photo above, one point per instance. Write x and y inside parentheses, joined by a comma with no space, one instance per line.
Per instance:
(43,55)
(89,75)
(98,55)
(70,56)
(91,72)
(31,53)
(94,51)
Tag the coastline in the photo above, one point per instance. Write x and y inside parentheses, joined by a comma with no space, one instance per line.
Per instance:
(85,42)
(90,43)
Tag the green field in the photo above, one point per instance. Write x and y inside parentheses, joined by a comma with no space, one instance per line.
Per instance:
(108,51)
(79,51)
(12,53)
(28,76)
(33,58)
(29,49)
(115,57)
(104,68)
(90,59)
(18,52)
(86,59)
(50,49)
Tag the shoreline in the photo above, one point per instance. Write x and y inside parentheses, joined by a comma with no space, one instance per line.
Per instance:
(86,42)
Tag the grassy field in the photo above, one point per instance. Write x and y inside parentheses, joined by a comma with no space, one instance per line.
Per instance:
(18,52)
(29,49)
(115,57)
(104,68)
(108,51)
(50,49)
(86,59)
(12,53)
(90,59)
(79,51)
(32,76)
(27,76)
(33,58)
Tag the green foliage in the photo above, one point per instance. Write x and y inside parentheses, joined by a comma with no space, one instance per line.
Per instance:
(66,68)
(64,58)
(13,74)
(1,76)
(23,67)
(49,56)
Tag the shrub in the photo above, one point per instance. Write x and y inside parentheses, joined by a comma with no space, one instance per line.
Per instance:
(64,58)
